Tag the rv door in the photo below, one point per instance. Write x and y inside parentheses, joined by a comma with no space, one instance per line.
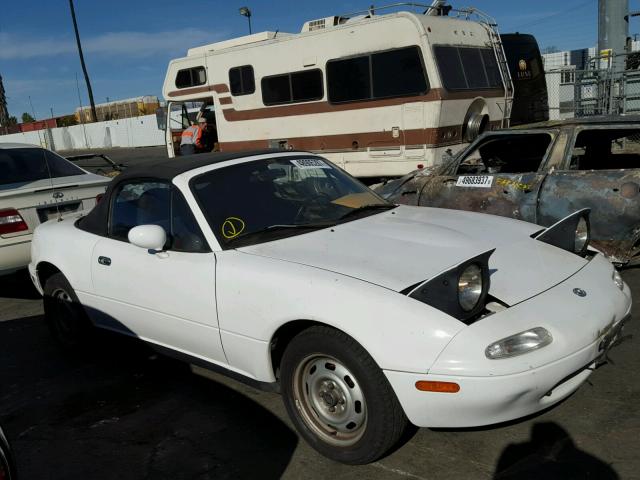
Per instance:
(177,120)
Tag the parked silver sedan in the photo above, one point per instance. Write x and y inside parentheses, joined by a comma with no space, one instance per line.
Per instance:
(37,185)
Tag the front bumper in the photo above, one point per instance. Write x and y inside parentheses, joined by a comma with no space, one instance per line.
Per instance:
(494,391)
(494,399)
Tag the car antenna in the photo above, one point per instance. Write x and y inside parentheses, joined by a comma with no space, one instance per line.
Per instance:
(53,188)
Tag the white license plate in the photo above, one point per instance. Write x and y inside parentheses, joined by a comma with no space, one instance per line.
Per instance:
(483,181)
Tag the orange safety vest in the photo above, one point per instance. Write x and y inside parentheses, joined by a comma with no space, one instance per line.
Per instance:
(192,136)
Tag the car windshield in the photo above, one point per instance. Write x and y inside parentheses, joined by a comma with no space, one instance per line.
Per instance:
(273,198)
(24,165)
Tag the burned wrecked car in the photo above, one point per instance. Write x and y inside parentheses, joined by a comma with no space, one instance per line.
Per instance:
(542,172)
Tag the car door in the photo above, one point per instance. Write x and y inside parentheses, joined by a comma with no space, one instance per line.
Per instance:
(600,171)
(165,297)
(499,174)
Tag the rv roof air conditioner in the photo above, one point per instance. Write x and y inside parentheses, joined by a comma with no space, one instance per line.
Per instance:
(322,23)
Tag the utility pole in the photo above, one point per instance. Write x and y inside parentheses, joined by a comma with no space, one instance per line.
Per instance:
(613,30)
(84,67)
(33,110)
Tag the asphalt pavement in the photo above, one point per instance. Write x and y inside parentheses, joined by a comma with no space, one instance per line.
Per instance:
(124,412)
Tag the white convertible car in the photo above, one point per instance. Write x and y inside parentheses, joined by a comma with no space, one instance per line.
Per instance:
(281,270)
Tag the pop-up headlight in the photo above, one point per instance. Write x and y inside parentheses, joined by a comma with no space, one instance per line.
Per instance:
(572,233)
(460,292)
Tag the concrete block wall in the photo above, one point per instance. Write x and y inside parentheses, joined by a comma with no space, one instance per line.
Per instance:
(128,132)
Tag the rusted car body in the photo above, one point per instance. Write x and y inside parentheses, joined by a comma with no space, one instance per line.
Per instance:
(542,172)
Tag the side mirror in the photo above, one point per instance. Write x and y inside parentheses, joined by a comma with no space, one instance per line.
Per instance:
(149,237)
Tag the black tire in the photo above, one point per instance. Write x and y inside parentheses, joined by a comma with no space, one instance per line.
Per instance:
(65,316)
(324,369)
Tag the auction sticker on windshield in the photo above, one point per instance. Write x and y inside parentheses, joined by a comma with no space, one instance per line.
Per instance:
(484,181)
(304,163)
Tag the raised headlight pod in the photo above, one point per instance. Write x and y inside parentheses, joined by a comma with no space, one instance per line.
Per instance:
(582,236)
(572,233)
(518,344)
(460,291)
(470,287)
(617,279)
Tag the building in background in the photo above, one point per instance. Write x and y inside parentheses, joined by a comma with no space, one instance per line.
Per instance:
(130,107)
(4,113)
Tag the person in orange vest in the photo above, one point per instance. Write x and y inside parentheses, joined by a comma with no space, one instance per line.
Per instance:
(191,141)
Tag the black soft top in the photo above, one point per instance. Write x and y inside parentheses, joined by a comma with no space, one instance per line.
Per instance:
(97,220)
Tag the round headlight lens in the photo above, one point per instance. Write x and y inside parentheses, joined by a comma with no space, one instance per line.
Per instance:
(582,235)
(470,287)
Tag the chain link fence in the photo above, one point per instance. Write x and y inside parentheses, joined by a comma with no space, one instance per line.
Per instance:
(603,88)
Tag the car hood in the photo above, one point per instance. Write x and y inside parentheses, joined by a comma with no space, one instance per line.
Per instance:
(407,245)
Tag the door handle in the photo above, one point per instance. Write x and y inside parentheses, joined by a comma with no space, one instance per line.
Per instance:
(449,180)
(106,261)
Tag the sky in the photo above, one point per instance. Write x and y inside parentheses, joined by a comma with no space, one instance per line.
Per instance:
(128,43)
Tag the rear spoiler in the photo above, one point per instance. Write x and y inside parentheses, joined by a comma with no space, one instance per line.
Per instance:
(112,167)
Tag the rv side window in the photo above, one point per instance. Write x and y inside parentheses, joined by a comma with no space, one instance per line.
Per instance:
(191,77)
(473,68)
(242,81)
(392,73)
(349,80)
(397,73)
(491,67)
(304,86)
(467,68)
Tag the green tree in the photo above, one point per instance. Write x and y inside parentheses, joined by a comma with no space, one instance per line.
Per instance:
(12,121)
(26,118)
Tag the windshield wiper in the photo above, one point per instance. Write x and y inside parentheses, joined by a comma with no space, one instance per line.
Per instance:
(371,206)
(282,227)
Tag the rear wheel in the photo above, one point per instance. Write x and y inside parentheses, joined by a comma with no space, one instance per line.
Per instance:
(64,314)
(338,398)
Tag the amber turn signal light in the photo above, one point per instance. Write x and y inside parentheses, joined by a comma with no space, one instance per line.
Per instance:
(442,387)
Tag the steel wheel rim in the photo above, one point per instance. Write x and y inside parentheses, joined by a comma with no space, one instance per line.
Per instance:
(64,311)
(330,400)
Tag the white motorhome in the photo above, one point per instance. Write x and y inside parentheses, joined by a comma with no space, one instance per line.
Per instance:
(377,94)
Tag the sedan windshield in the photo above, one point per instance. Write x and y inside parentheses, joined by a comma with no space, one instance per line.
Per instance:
(273,198)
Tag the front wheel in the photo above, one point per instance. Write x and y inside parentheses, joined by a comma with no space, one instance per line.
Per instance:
(338,398)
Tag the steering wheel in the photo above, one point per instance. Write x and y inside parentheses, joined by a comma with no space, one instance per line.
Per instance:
(318,200)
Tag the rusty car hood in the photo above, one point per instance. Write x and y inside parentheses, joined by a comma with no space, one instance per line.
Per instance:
(404,246)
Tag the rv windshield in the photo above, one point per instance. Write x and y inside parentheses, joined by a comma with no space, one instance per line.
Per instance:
(24,165)
(274,198)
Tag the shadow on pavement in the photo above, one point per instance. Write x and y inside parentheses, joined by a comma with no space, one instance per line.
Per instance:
(18,285)
(550,454)
(126,413)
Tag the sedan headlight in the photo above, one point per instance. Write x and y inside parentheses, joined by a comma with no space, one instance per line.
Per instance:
(470,287)
(617,279)
(518,344)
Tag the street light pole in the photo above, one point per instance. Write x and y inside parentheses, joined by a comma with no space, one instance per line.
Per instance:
(84,67)
(245,12)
